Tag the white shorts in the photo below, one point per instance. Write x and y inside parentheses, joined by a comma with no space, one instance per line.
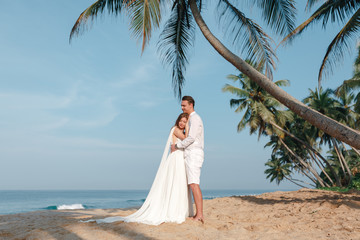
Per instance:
(193,163)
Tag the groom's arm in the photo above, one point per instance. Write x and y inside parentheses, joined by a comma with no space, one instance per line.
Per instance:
(190,139)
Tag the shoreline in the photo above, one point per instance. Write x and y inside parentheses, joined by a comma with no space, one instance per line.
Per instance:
(301,214)
(38,200)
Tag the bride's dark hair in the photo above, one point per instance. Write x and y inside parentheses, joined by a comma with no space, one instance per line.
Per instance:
(182,115)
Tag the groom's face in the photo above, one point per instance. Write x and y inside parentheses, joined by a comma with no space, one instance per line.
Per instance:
(186,107)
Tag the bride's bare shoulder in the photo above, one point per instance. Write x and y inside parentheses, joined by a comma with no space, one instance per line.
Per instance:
(179,133)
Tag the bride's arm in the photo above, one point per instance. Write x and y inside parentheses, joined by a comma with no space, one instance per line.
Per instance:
(179,133)
(186,129)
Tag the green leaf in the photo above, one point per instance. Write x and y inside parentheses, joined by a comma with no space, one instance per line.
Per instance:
(248,36)
(178,35)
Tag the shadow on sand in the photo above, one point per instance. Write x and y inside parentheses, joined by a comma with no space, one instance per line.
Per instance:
(348,199)
(64,225)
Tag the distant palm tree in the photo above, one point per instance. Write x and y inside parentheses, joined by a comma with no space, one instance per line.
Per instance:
(261,109)
(352,159)
(346,101)
(323,101)
(345,12)
(277,170)
(352,85)
(177,37)
(262,114)
(290,151)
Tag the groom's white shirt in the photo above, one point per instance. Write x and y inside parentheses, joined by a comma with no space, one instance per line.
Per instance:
(195,138)
(193,147)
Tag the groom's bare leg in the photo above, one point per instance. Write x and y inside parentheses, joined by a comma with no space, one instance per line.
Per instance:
(195,188)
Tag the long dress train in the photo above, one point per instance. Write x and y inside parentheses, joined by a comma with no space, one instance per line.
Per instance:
(169,199)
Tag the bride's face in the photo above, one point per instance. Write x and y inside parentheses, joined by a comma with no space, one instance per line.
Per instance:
(182,123)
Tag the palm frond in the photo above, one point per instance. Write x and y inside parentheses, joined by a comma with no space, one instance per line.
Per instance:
(244,120)
(282,83)
(334,9)
(272,102)
(178,35)
(247,35)
(279,14)
(335,51)
(357,105)
(235,90)
(282,117)
(242,106)
(233,77)
(145,15)
(241,102)
(348,85)
(91,13)
(264,113)
(353,83)
(311,3)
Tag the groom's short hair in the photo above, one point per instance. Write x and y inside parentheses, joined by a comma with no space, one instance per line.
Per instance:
(189,99)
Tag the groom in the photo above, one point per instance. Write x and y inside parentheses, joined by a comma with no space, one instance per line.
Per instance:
(193,147)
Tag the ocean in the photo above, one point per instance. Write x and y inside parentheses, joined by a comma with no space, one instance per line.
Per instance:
(15,201)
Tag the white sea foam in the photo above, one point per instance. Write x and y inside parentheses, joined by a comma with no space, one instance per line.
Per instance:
(72,206)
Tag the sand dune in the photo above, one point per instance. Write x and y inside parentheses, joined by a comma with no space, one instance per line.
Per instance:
(303,214)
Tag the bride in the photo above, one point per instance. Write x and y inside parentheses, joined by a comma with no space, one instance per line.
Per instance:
(169,199)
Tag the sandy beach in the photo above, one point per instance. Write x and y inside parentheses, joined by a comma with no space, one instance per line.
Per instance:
(302,214)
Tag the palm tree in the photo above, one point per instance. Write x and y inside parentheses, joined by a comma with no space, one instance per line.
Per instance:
(352,159)
(352,84)
(261,109)
(178,36)
(346,102)
(345,11)
(349,101)
(304,133)
(262,114)
(278,170)
(322,101)
(290,152)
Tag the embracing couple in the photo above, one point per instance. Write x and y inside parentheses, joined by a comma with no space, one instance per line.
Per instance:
(169,199)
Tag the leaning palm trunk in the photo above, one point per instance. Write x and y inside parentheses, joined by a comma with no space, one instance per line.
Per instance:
(305,164)
(337,179)
(318,163)
(347,151)
(298,184)
(355,150)
(326,124)
(342,159)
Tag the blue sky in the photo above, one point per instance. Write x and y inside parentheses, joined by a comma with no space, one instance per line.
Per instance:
(95,114)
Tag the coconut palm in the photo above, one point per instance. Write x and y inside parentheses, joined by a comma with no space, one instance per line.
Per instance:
(346,12)
(351,85)
(304,133)
(349,101)
(346,100)
(177,37)
(262,114)
(351,158)
(277,170)
(290,152)
(261,109)
(323,101)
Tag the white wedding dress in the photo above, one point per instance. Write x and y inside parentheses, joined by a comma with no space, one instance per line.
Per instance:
(169,199)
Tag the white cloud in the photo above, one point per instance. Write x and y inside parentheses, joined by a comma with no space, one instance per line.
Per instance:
(139,75)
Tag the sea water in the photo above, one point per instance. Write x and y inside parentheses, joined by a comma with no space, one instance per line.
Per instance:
(15,201)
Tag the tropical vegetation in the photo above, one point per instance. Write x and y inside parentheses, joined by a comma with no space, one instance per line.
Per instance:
(297,146)
(178,36)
